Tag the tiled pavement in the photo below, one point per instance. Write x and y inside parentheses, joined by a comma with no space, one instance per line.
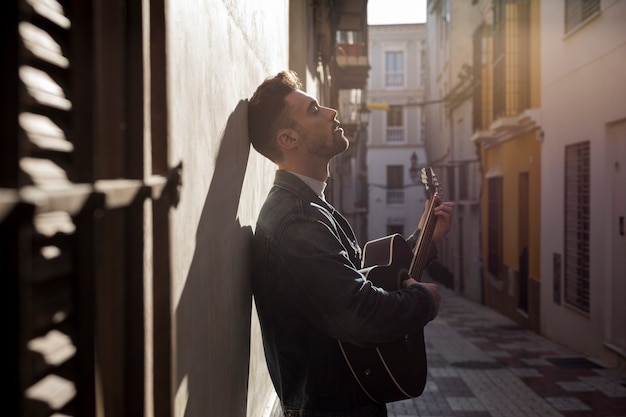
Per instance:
(482,364)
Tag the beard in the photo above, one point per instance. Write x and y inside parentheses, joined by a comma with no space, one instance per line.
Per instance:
(326,147)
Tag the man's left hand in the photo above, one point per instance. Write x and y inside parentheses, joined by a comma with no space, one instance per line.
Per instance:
(444,212)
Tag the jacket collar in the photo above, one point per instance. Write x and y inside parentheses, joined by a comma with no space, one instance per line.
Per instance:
(292,183)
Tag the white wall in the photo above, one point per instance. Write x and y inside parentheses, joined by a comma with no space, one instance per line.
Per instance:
(583,90)
(379,211)
(218,52)
(409,39)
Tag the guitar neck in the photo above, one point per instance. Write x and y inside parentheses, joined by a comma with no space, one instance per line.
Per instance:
(422,247)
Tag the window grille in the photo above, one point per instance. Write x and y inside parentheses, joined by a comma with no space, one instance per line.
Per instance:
(395,134)
(576,228)
(578,11)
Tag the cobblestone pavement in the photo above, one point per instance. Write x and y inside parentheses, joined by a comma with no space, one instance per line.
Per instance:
(482,364)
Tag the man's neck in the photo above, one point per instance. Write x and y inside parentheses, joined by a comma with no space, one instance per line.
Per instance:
(318,173)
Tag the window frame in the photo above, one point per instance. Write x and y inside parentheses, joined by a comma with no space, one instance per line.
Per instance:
(393,73)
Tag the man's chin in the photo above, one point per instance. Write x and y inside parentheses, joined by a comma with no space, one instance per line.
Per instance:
(343,145)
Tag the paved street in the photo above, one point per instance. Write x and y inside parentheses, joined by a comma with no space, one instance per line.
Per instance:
(483,364)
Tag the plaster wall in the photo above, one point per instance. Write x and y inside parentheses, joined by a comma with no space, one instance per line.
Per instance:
(217,53)
(583,90)
(380,212)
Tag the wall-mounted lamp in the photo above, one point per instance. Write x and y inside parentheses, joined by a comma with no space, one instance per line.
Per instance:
(540,135)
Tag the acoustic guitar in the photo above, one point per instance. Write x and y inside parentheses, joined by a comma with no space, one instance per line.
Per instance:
(396,370)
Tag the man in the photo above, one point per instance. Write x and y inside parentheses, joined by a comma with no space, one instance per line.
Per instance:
(308,290)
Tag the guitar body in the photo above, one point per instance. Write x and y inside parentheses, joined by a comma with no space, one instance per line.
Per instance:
(397,370)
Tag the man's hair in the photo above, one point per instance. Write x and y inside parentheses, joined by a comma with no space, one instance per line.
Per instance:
(268,112)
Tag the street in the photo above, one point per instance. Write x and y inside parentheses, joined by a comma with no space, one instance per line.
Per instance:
(483,364)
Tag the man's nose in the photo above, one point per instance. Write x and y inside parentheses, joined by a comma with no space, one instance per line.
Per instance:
(332,112)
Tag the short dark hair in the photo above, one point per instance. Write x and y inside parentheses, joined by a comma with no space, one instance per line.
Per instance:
(267,112)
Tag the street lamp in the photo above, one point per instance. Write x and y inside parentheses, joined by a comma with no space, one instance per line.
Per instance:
(364,115)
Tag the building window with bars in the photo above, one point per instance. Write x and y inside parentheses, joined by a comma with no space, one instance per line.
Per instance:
(395,184)
(395,124)
(579,11)
(394,69)
(576,228)
(494,226)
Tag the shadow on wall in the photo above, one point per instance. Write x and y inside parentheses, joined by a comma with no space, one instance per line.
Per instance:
(213,316)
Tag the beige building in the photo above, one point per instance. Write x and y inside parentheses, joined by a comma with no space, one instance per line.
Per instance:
(396,129)
(450,84)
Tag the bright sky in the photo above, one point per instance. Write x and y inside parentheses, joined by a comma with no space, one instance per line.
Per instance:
(388,12)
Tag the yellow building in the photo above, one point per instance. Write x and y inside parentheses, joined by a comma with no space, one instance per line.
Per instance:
(507,130)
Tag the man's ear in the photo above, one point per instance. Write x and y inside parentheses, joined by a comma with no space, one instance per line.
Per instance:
(287,138)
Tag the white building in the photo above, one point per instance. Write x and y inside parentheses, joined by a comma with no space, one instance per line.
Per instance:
(583,257)
(396,133)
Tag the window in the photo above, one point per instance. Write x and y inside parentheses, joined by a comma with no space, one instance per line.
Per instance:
(576,215)
(577,11)
(395,124)
(482,97)
(395,184)
(494,226)
(395,228)
(394,69)
(511,68)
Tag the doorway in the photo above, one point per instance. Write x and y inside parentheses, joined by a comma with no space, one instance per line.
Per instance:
(522,281)
(616,166)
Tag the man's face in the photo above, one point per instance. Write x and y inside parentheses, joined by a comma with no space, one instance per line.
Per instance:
(317,125)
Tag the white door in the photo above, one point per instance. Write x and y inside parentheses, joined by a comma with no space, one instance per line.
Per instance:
(616,147)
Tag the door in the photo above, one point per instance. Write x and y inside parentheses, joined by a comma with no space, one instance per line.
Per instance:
(616,151)
(523,220)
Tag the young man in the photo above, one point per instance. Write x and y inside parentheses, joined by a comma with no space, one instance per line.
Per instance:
(308,290)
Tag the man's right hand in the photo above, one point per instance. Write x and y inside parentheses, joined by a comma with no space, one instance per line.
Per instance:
(433,288)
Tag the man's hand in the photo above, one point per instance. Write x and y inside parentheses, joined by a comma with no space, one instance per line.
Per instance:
(433,288)
(444,212)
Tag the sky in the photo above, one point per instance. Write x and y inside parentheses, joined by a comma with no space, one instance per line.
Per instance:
(386,12)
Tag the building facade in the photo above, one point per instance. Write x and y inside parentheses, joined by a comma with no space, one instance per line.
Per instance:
(583,164)
(548,120)
(450,86)
(507,125)
(396,129)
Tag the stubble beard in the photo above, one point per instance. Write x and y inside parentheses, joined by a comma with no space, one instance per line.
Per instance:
(339,145)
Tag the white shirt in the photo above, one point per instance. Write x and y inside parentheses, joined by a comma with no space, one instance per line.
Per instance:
(317,186)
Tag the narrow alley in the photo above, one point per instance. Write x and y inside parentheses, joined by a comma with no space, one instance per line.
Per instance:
(482,364)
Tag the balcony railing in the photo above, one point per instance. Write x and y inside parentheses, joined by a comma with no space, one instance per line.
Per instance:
(351,54)
(395,134)
(395,196)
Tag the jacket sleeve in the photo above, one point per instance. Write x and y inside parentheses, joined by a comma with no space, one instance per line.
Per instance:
(322,282)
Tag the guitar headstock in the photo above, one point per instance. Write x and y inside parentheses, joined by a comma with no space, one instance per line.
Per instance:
(431,183)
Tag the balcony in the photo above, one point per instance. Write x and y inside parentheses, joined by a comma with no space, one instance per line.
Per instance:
(351,63)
